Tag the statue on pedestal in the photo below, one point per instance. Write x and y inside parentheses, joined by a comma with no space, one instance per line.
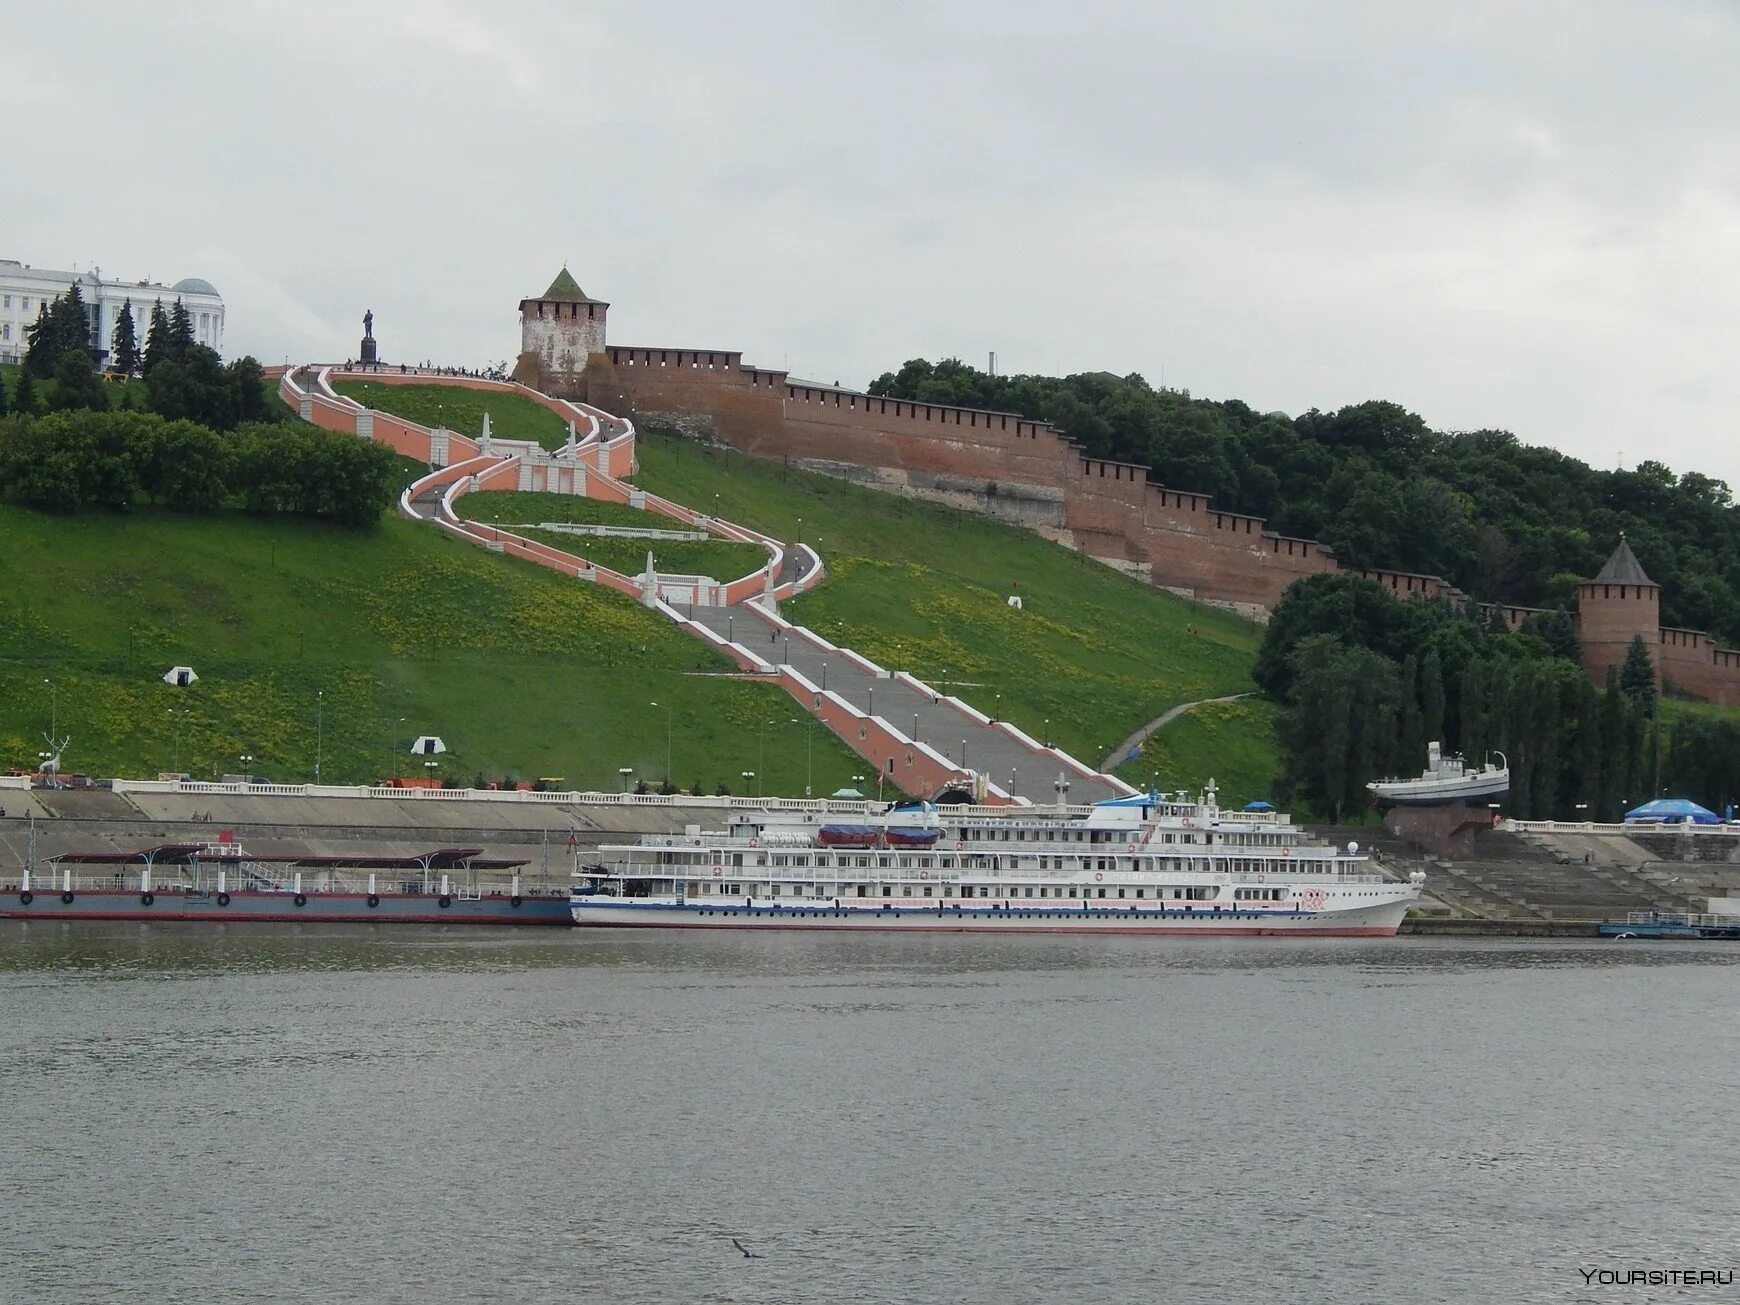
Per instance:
(369,348)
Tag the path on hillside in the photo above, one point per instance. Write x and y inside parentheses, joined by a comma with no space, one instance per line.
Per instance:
(1122,753)
(963,739)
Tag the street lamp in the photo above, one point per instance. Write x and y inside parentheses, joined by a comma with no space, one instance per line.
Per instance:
(915,727)
(747,776)
(53,706)
(429,768)
(824,677)
(809,752)
(390,740)
(963,754)
(319,729)
(247,760)
(872,710)
(625,772)
(670,725)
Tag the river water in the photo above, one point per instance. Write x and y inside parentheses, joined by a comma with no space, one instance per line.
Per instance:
(355,1114)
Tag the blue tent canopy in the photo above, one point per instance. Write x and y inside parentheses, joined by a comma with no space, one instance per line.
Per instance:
(1259,805)
(1671,811)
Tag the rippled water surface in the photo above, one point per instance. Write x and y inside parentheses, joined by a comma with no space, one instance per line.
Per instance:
(344,1114)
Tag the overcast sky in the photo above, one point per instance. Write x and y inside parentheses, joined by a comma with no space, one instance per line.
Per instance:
(1509,214)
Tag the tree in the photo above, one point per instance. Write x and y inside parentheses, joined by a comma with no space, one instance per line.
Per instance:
(194,386)
(2,395)
(1432,696)
(1637,676)
(24,394)
(247,388)
(124,357)
(77,385)
(180,331)
(1557,630)
(62,325)
(157,345)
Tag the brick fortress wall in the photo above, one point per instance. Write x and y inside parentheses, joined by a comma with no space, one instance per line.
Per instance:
(1031,474)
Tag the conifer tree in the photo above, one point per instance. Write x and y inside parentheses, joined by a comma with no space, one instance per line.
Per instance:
(156,340)
(125,355)
(38,340)
(1637,676)
(24,395)
(77,385)
(180,331)
(2,396)
(1432,695)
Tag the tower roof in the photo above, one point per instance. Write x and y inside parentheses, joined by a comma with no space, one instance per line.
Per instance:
(566,290)
(1623,568)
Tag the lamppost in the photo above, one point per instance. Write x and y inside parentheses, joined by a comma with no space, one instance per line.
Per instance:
(872,710)
(747,776)
(963,754)
(1048,731)
(53,706)
(319,729)
(824,677)
(247,760)
(177,715)
(670,725)
(625,772)
(429,768)
(915,727)
(809,751)
(1583,812)
(391,732)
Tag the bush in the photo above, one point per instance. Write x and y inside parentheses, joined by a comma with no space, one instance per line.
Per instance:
(76,460)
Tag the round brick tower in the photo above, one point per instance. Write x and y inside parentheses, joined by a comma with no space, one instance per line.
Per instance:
(559,330)
(1615,607)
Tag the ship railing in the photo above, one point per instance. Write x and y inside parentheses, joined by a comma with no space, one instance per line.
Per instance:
(1688,919)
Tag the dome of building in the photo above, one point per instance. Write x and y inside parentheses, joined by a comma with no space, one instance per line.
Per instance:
(193,285)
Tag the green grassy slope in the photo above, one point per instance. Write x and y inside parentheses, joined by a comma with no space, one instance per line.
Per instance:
(924,588)
(1231,743)
(511,416)
(404,630)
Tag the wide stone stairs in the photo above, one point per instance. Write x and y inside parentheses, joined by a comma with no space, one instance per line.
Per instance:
(961,738)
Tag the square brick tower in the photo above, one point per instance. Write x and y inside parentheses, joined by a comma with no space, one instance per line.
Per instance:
(559,331)
(1613,608)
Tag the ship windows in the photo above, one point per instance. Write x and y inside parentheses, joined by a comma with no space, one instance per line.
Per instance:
(927,890)
(906,890)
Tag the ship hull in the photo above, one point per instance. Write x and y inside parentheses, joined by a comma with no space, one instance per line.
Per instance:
(281,908)
(1376,921)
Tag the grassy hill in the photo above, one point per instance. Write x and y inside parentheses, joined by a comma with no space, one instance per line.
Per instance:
(511,416)
(1091,656)
(403,630)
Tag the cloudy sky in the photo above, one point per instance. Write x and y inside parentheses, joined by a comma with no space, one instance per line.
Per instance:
(1515,214)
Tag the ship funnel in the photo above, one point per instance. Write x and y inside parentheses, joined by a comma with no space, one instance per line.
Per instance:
(1433,752)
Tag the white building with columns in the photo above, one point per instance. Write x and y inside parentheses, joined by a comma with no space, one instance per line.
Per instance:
(25,289)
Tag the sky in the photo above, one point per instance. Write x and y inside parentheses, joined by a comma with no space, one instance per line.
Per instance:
(1519,215)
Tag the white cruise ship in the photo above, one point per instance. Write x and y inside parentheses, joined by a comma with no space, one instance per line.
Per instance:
(1152,863)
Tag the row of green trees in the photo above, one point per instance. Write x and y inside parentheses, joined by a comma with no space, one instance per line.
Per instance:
(1503,520)
(78,460)
(63,325)
(1367,680)
(182,379)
